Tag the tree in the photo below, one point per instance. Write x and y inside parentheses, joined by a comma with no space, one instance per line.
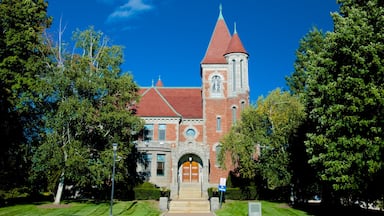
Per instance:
(310,45)
(259,143)
(90,104)
(305,181)
(345,90)
(22,57)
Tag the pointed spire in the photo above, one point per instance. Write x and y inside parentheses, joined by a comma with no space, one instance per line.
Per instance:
(235,45)
(221,12)
(219,42)
(159,82)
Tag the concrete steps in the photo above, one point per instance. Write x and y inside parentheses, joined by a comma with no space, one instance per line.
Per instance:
(189,206)
(190,200)
(190,191)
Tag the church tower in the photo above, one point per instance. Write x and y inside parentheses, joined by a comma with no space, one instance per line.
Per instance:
(225,90)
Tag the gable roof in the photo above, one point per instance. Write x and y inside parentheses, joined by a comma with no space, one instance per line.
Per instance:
(170,102)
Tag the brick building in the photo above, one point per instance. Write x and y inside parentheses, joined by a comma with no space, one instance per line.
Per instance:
(184,125)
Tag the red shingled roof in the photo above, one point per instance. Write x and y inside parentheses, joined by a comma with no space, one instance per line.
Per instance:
(170,102)
(218,44)
(235,45)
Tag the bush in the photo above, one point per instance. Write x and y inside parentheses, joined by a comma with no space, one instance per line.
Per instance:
(244,193)
(213,192)
(147,191)
(22,195)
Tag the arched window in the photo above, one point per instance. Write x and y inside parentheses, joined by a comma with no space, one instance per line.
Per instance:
(234,114)
(241,74)
(216,84)
(234,75)
(242,105)
(218,123)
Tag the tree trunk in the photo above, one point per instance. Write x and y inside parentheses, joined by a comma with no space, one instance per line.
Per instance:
(59,190)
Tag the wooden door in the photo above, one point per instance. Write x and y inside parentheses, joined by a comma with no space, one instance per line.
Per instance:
(190,171)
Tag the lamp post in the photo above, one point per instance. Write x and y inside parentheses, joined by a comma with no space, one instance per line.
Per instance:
(114,145)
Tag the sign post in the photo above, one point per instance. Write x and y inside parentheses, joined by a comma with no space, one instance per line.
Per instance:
(222,189)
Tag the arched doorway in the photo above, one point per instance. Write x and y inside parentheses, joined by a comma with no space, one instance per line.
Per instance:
(189,168)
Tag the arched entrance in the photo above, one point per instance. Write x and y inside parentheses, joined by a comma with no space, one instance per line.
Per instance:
(190,166)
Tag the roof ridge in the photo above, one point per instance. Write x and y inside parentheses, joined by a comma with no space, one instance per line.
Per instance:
(166,101)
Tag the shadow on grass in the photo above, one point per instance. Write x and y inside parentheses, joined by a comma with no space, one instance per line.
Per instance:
(321,210)
(132,205)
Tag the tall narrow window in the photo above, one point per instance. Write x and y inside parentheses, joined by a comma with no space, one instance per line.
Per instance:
(218,150)
(148,163)
(234,75)
(162,130)
(160,165)
(242,105)
(216,84)
(148,132)
(218,123)
(241,73)
(234,115)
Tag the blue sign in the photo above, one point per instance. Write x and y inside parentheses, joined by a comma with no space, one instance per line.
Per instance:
(222,188)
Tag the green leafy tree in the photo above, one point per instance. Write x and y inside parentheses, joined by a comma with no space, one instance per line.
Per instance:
(90,104)
(345,90)
(22,57)
(305,181)
(259,143)
(310,45)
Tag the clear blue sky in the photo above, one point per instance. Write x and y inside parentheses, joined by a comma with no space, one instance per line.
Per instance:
(168,38)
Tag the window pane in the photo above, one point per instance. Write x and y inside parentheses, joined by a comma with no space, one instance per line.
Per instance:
(218,124)
(160,164)
(160,168)
(218,149)
(148,132)
(162,130)
(234,113)
(161,157)
(148,163)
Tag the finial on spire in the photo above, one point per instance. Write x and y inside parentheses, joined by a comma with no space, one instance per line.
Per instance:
(235,30)
(221,12)
(153,83)
(159,77)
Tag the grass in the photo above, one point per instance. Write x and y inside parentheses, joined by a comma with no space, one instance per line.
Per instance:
(150,208)
(137,208)
(240,208)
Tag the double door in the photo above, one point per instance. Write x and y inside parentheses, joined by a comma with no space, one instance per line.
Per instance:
(190,171)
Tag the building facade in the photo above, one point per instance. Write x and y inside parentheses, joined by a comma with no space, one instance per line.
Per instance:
(184,125)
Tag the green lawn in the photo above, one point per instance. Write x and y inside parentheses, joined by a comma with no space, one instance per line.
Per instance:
(139,208)
(240,208)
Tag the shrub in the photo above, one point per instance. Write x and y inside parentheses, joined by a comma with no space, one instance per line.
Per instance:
(213,192)
(147,191)
(244,193)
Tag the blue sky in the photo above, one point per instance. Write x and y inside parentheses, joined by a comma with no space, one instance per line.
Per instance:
(168,38)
